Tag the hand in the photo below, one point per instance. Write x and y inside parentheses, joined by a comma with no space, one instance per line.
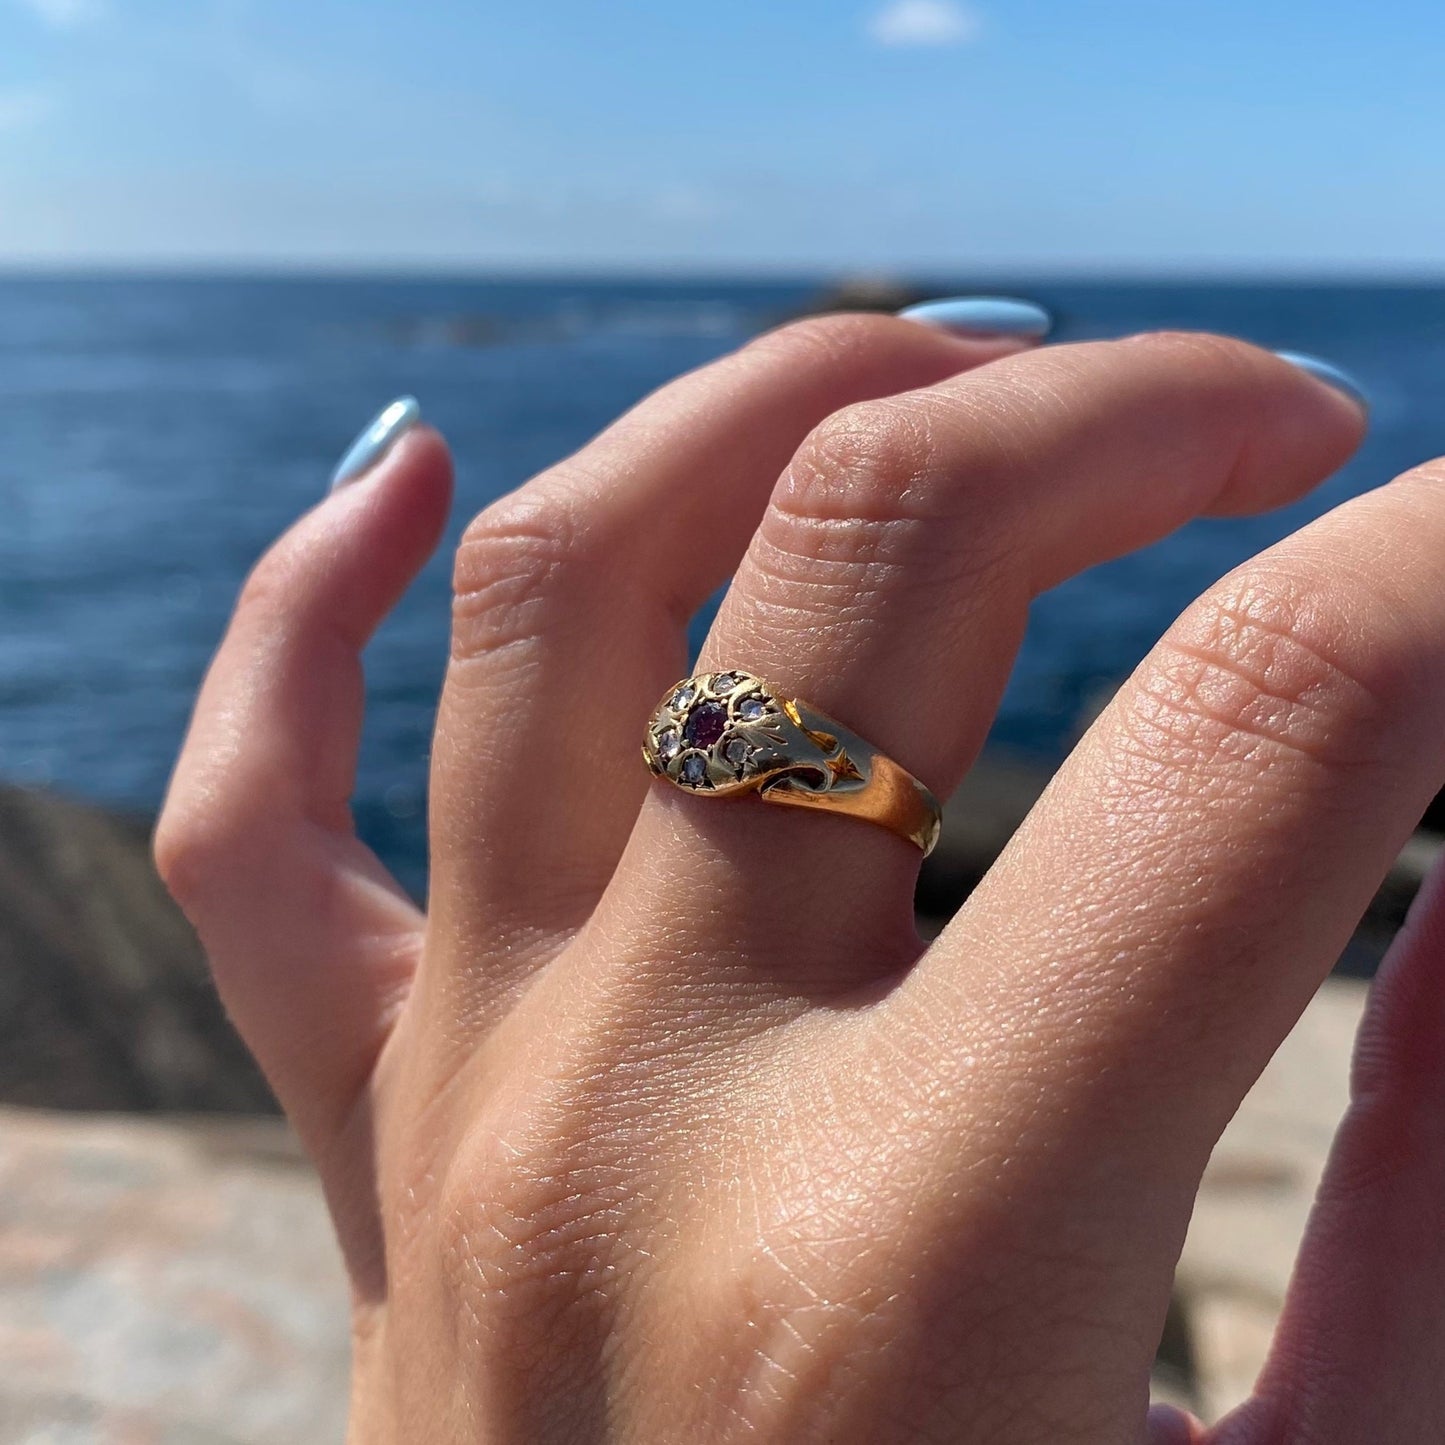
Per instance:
(663,1126)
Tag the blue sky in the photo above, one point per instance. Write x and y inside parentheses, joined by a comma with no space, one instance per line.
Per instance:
(1011,135)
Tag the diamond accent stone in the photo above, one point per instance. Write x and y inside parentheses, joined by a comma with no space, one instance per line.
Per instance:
(725,682)
(694,770)
(684,696)
(705,724)
(737,751)
(669,744)
(750,709)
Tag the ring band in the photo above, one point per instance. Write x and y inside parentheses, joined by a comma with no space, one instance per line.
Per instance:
(720,734)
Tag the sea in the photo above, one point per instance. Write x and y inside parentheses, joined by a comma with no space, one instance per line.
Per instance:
(157,433)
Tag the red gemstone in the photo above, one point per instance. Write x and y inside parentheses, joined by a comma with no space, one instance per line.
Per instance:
(705,724)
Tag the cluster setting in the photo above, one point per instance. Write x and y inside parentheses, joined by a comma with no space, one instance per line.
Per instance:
(714,731)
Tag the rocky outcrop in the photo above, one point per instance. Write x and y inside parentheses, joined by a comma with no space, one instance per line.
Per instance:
(105,998)
(166,1280)
(866,293)
(1256,1197)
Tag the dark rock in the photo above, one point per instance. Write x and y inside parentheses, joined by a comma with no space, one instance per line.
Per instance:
(105,998)
(866,293)
(979,820)
(1434,818)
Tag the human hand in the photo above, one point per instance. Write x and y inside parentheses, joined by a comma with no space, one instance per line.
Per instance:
(662,1125)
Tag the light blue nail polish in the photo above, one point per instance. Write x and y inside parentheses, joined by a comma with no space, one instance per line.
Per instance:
(379,437)
(1328,373)
(983,316)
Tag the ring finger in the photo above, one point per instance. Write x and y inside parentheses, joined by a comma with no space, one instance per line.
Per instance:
(573,597)
(889,585)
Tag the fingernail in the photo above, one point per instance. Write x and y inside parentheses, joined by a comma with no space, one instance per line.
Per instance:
(982,316)
(373,444)
(1328,373)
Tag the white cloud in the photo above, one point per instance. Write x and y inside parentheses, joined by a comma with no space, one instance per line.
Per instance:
(21,109)
(65,14)
(924,22)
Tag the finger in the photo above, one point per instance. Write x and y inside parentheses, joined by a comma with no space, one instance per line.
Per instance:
(1360,1349)
(573,597)
(889,585)
(1169,1425)
(310,940)
(1188,879)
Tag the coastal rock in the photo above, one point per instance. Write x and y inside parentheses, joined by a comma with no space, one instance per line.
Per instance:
(105,998)
(866,293)
(166,1280)
(1434,818)
(1256,1197)
(980,818)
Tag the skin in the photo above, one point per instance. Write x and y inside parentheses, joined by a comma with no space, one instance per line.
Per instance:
(663,1125)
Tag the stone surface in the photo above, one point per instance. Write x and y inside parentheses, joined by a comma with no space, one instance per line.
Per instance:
(1256,1197)
(165,1282)
(105,998)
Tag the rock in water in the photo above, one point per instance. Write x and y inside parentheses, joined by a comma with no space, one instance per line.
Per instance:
(105,998)
(866,293)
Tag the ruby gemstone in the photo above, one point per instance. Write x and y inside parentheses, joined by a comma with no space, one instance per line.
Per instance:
(705,724)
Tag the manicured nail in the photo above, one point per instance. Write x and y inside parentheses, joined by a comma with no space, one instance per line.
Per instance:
(378,439)
(982,316)
(1328,373)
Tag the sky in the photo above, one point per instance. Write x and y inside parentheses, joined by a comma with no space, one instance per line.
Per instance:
(1018,136)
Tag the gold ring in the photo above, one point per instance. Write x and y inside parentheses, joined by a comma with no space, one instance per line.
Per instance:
(721,734)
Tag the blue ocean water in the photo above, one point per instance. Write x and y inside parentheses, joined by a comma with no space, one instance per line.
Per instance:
(156,434)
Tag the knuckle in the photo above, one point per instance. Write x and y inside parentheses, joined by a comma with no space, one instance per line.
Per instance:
(860,463)
(270,587)
(840,529)
(193,848)
(868,505)
(1267,667)
(519,564)
(529,1251)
